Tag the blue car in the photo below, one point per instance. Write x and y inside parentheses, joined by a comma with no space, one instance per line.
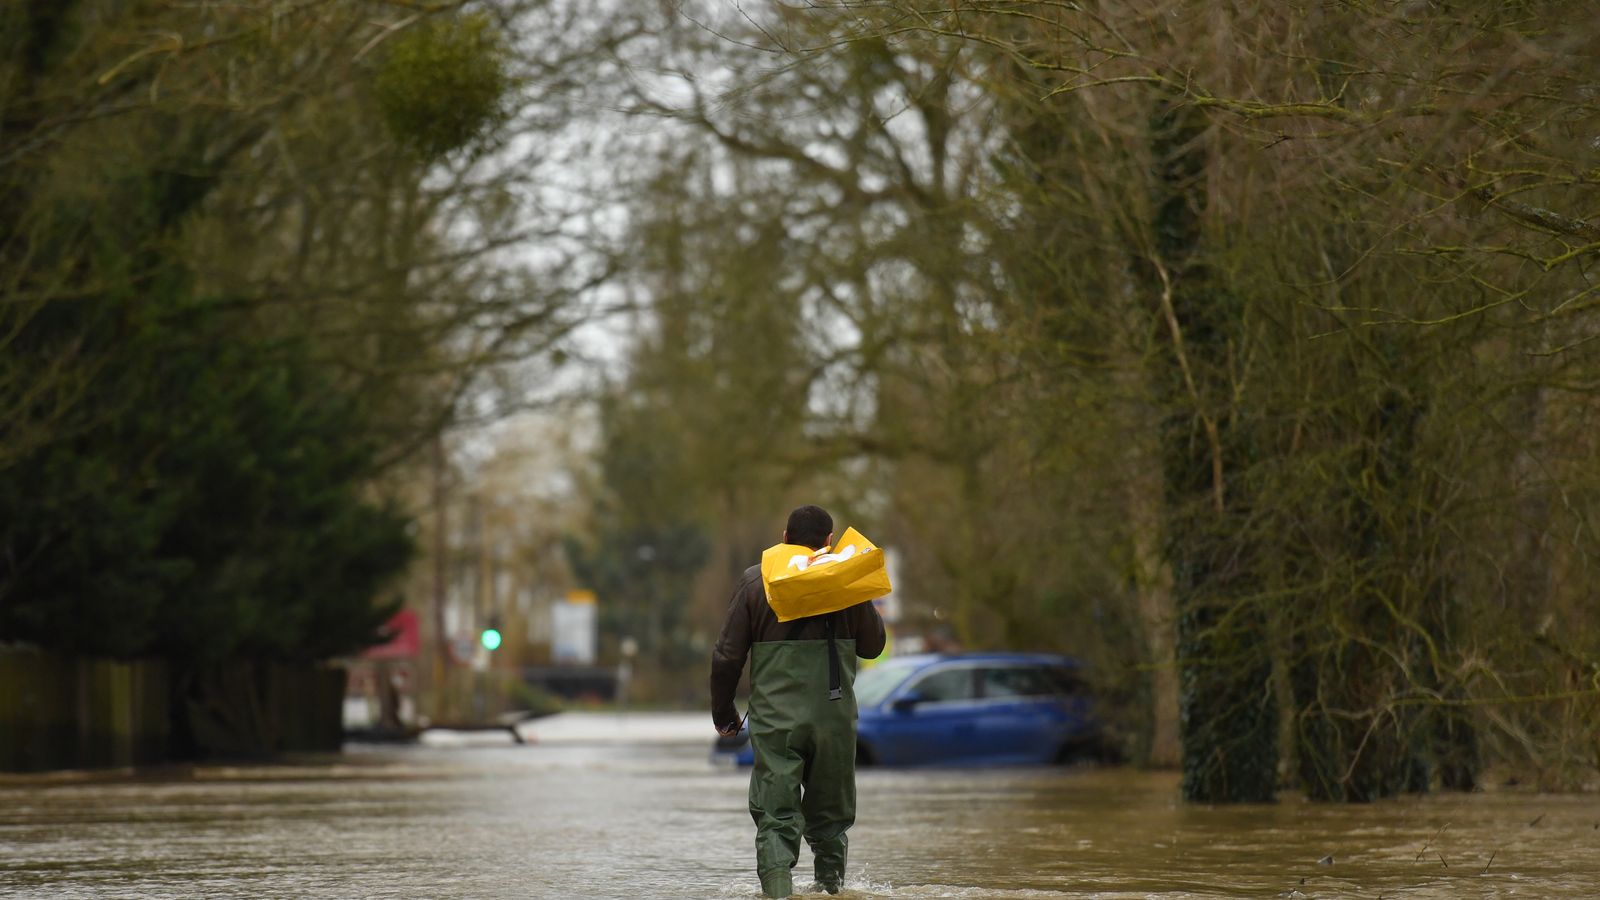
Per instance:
(967,709)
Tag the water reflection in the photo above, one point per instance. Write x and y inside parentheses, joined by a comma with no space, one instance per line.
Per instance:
(645,819)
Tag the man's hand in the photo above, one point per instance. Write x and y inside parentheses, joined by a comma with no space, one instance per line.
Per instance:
(731,730)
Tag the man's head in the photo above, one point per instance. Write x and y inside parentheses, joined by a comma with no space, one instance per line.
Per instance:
(809,526)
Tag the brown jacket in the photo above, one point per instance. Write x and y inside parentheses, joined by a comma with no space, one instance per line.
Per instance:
(751,620)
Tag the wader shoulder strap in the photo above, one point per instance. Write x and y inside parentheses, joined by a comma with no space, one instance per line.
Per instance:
(835,687)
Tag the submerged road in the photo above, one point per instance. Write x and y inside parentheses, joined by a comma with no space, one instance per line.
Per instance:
(631,807)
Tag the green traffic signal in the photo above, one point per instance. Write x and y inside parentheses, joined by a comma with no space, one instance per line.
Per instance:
(490,638)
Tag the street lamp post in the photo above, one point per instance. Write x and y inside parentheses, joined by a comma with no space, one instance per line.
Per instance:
(630,649)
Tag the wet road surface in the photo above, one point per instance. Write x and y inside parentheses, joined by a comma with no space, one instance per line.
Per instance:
(600,807)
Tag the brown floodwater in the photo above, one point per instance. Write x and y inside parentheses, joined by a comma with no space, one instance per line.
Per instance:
(646,814)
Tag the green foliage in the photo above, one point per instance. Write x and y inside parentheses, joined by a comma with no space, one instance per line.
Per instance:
(204,500)
(644,577)
(698,441)
(175,479)
(1296,375)
(647,544)
(442,85)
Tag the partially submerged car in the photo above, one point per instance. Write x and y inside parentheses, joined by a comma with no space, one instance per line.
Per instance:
(966,709)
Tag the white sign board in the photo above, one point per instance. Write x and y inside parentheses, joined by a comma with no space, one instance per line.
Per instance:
(573,628)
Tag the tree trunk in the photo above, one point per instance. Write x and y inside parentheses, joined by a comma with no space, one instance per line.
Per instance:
(1153,592)
(1228,713)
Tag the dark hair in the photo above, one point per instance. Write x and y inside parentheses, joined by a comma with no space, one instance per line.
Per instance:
(809,526)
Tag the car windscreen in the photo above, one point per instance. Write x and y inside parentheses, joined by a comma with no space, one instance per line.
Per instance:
(874,684)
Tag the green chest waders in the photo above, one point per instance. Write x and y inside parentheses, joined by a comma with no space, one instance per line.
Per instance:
(804,781)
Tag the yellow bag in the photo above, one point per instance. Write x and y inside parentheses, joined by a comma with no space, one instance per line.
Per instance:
(803,582)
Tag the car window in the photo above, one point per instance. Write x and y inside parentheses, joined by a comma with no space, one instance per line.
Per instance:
(874,684)
(946,684)
(1016,682)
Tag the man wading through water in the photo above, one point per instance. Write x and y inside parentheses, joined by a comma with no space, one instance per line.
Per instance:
(802,716)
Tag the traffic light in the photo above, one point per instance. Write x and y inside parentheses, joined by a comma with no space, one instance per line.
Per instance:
(490,638)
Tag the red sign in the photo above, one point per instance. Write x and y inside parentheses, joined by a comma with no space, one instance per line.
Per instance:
(405,637)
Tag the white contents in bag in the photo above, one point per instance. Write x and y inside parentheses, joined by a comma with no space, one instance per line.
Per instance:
(803,562)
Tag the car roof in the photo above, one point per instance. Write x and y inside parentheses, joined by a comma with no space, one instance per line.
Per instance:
(923,660)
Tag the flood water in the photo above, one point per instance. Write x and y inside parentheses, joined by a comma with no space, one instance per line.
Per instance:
(633,808)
